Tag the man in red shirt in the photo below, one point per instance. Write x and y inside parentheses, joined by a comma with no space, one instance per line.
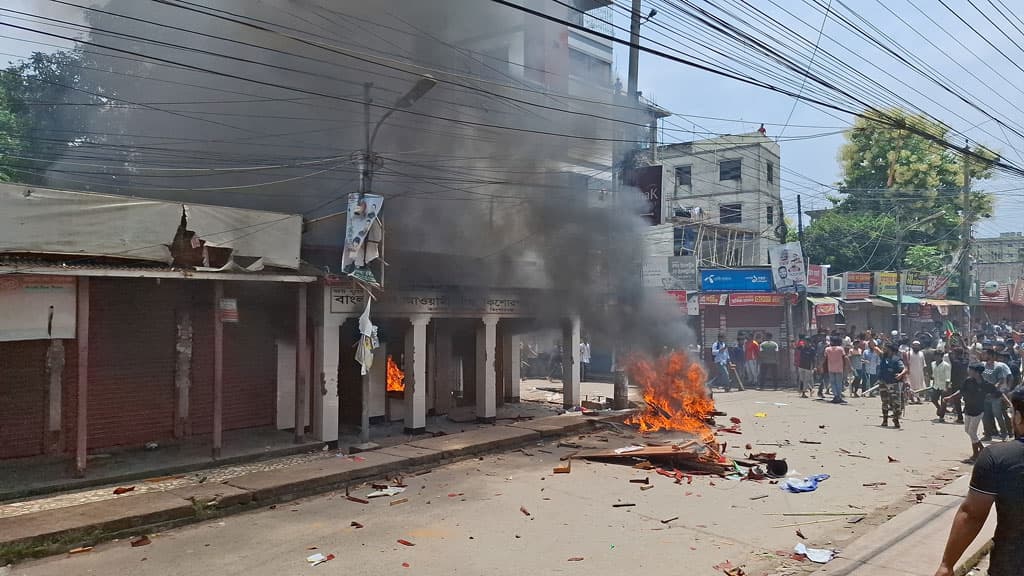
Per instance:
(752,353)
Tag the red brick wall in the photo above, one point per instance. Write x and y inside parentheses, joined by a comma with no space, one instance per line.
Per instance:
(131,361)
(23,386)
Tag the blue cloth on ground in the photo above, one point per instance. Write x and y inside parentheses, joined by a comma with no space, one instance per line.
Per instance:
(798,485)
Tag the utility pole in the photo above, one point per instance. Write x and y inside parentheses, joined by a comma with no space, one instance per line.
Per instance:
(965,236)
(806,326)
(899,278)
(634,52)
(620,390)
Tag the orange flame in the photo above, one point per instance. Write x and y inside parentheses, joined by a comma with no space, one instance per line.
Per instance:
(396,378)
(675,393)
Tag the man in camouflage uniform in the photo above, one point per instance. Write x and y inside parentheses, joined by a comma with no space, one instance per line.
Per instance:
(891,372)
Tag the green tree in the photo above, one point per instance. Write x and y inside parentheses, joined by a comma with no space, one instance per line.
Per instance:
(53,104)
(927,259)
(852,241)
(897,171)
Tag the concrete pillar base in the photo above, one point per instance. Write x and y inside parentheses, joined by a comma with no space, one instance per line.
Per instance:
(364,447)
(415,431)
(512,400)
(486,420)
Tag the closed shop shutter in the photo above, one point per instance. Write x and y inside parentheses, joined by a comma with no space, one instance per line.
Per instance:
(23,385)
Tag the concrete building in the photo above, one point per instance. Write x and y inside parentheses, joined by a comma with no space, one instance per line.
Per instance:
(1008,247)
(730,186)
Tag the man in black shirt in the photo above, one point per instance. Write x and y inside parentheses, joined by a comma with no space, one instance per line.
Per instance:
(974,390)
(998,479)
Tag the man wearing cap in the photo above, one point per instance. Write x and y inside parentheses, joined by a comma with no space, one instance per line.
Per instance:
(915,366)
(891,372)
(998,478)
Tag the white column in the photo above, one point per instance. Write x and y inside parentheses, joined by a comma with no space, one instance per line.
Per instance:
(416,380)
(486,380)
(325,377)
(571,362)
(513,364)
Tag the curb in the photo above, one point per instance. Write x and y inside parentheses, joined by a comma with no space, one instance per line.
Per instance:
(56,531)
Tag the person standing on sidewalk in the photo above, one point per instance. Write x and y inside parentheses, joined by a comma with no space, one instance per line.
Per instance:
(998,478)
(834,367)
(891,372)
(941,371)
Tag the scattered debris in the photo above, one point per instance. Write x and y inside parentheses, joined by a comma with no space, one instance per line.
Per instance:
(405,564)
(575,559)
(800,534)
(760,414)
(735,420)
(629,449)
(816,555)
(648,487)
(524,510)
(809,484)
(357,500)
(141,541)
(667,520)
(319,558)
(855,520)
(525,452)
(873,484)
(806,523)
(644,480)
(405,542)
(759,497)
(356,525)
(80,550)
(397,502)
(455,495)
(623,505)
(386,491)
(810,442)
(891,459)
(572,445)
(563,469)
(123,490)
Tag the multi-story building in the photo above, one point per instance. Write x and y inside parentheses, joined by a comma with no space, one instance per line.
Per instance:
(727,190)
(1007,247)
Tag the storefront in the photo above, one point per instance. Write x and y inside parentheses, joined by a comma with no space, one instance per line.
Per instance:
(825,313)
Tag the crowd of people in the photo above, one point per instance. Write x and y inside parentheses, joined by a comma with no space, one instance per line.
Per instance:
(967,380)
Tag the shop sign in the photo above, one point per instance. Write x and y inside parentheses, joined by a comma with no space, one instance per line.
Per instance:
(816,279)
(826,309)
(885,283)
(228,309)
(736,280)
(755,299)
(856,285)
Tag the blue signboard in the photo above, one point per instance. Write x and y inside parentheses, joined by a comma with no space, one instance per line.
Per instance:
(736,280)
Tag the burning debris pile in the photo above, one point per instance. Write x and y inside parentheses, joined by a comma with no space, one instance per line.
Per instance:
(676,399)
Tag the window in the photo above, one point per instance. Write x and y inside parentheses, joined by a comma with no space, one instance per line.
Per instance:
(730,169)
(770,214)
(730,213)
(684,175)
(771,172)
(587,67)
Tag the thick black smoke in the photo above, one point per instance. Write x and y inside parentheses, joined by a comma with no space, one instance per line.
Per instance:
(495,178)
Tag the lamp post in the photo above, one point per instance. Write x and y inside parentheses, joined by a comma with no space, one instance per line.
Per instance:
(367,163)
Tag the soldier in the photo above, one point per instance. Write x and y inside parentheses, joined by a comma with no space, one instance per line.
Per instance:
(891,372)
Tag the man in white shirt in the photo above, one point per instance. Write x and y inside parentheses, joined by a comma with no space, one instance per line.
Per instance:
(584,359)
(915,360)
(941,372)
(720,352)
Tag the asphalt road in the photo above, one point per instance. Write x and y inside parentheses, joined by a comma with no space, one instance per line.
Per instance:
(466,518)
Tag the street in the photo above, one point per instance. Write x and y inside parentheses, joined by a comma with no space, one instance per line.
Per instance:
(470,517)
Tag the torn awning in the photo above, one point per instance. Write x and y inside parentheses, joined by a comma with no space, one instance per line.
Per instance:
(47,221)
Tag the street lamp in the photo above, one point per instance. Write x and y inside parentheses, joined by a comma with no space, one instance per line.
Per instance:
(367,163)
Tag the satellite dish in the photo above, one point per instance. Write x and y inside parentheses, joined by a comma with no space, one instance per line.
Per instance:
(990,288)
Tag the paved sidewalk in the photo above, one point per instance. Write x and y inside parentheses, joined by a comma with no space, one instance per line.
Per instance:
(912,542)
(62,527)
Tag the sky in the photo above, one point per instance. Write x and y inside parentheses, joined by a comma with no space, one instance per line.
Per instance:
(688,91)
(996,84)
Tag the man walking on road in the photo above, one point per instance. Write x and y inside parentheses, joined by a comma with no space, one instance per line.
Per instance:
(998,478)
(996,419)
(752,354)
(720,352)
(769,360)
